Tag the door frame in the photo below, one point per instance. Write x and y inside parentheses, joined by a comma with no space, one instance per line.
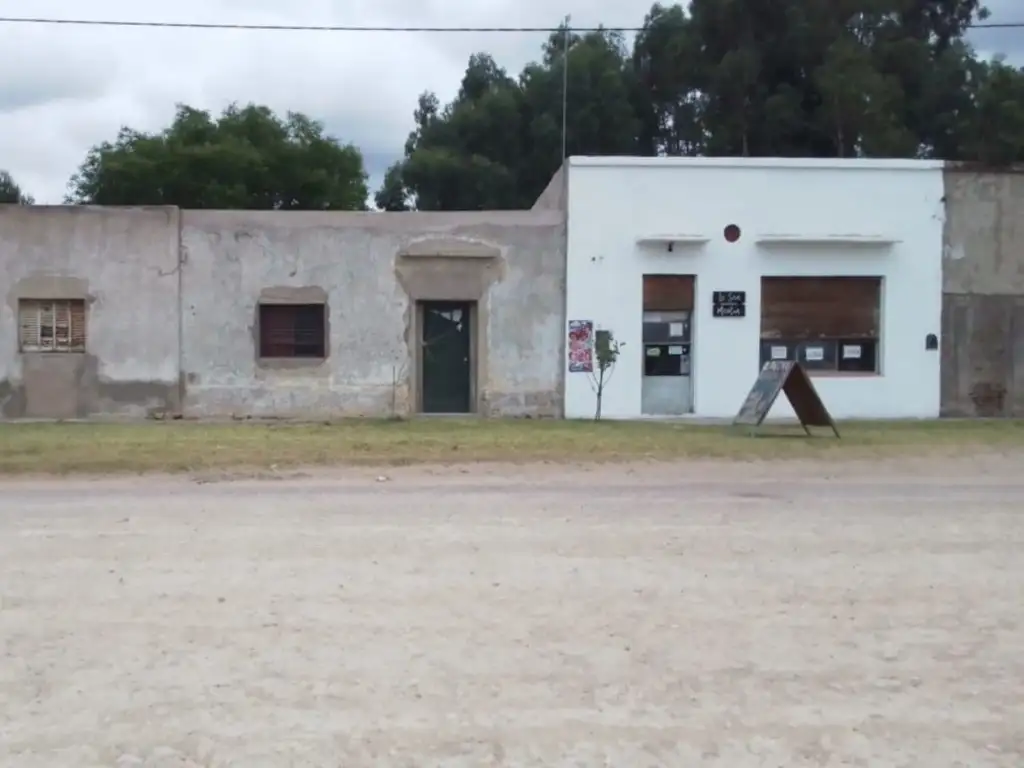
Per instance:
(694,302)
(417,336)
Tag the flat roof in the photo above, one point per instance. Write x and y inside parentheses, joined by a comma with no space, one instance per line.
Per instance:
(810,163)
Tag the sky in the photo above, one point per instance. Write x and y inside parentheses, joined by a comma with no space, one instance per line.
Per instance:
(66,88)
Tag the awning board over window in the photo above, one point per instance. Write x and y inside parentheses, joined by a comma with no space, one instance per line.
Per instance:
(848,240)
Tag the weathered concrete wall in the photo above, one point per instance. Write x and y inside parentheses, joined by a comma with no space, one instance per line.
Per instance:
(123,262)
(370,268)
(553,198)
(983,294)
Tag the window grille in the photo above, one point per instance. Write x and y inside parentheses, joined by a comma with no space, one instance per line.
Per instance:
(52,325)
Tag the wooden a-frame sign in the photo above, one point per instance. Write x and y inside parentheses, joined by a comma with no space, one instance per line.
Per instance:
(791,379)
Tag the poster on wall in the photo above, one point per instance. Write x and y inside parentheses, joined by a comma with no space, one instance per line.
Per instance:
(581,346)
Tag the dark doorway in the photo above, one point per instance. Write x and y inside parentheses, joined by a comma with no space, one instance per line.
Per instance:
(446,373)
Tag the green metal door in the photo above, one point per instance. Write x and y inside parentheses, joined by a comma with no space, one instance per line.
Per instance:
(446,372)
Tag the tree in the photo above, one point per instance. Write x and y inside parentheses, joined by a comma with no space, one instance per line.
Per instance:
(806,77)
(797,78)
(498,143)
(601,118)
(996,133)
(247,158)
(859,104)
(392,195)
(606,355)
(667,68)
(464,156)
(11,193)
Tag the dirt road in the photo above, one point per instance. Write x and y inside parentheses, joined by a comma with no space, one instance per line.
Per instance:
(715,615)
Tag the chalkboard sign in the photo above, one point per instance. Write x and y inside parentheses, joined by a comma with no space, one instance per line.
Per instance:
(729,304)
(789,378)
(729,297)
(765,391)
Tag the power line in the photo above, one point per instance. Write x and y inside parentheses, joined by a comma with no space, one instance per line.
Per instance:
(293,27)
(350,28)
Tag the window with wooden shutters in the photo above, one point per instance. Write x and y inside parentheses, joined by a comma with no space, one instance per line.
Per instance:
(827,324)
(293,331)
(51,325)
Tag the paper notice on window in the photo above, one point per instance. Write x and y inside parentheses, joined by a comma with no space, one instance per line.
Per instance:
(851,352)
(654,351)
(814,354)
(675,350)
(779,353)
(675,329)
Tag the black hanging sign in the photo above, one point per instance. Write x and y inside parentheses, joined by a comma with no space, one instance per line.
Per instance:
(729,304)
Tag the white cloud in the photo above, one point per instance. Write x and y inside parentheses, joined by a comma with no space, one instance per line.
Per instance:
(68,88)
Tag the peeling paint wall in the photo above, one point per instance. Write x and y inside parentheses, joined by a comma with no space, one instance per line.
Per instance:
(172,306)
(372,268)
(983,294)
(123,262)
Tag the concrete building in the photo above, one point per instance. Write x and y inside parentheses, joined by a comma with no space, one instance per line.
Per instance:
(90,321)
(983,293)
(129,312)
(705,268)
(899,285)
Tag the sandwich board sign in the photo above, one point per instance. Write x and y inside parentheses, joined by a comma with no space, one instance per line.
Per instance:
(789,378)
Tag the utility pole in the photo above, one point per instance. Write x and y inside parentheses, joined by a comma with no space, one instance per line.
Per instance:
(565,82)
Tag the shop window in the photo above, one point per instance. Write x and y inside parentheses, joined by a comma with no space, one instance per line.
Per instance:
(827,324)
(293,331)
(666,341)
(666,360)
(51,325)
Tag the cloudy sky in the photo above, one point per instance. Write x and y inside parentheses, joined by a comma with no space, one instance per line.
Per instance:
(67,88)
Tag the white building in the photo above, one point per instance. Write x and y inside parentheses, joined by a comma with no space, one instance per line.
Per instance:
(703,268)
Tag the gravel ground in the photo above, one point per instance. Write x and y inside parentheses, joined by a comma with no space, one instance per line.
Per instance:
(706,614)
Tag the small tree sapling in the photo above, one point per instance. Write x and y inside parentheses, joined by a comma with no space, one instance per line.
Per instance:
(606,354)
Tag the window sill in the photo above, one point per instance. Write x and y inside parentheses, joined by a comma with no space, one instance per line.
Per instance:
(843,374)
(290,363)
(42,351)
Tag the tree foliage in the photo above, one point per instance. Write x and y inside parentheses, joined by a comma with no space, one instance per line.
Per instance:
(11,193)
(798,78)
(246,158)
(498,143)
(814,78)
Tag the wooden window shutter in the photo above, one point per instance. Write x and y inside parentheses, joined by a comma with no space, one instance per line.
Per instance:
(668,293)
(61,324)
(28,323)
(277,331)
(46,329)
(78,319)
(808,308)
(51,326)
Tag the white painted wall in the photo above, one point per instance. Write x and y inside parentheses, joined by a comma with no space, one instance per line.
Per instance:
(612,202)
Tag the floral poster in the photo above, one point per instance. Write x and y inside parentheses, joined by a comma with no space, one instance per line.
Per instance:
(581,346)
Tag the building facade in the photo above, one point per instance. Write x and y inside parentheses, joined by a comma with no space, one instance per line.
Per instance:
(134,312)
(983,293)
(90,322)
(703,269)
(898,285)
